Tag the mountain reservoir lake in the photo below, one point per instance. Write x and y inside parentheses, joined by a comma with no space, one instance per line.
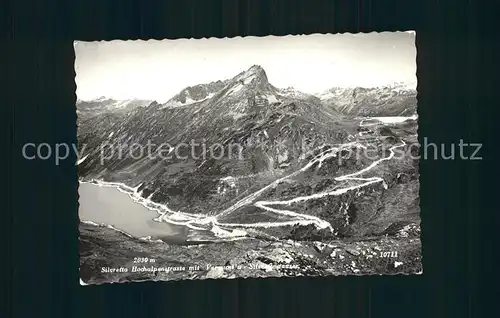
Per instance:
(109,206)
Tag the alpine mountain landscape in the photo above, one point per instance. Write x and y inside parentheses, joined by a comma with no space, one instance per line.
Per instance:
(239,177)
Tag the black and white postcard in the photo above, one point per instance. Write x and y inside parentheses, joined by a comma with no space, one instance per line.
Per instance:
(248,157)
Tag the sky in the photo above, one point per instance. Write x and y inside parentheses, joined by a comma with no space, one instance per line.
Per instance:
(158,70)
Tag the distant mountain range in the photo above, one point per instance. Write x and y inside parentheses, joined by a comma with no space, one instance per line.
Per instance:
(289,142)
(391,100)
(104,105)
(397,99)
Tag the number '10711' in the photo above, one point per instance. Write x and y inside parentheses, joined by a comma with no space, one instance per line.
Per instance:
(389,254)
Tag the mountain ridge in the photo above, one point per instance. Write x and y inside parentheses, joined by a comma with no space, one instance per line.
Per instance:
(395,99)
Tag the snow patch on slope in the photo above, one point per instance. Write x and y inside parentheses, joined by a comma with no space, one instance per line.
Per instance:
(189,101)
(81,160)
(249,79)
(272,99)
(234,89)
(293,93)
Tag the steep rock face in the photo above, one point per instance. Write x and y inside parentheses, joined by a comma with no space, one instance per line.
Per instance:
(234,141)
(195,94)
(393,100)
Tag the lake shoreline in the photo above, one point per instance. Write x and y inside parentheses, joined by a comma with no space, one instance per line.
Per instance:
(107,207)
(175,219)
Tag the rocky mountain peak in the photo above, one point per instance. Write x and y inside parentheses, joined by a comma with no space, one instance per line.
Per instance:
(256,69)
(256,72)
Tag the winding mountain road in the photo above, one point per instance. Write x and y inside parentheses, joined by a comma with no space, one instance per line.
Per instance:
(303,218)
(206,222)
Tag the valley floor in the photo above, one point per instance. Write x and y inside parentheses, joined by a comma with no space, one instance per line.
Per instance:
(104,250)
